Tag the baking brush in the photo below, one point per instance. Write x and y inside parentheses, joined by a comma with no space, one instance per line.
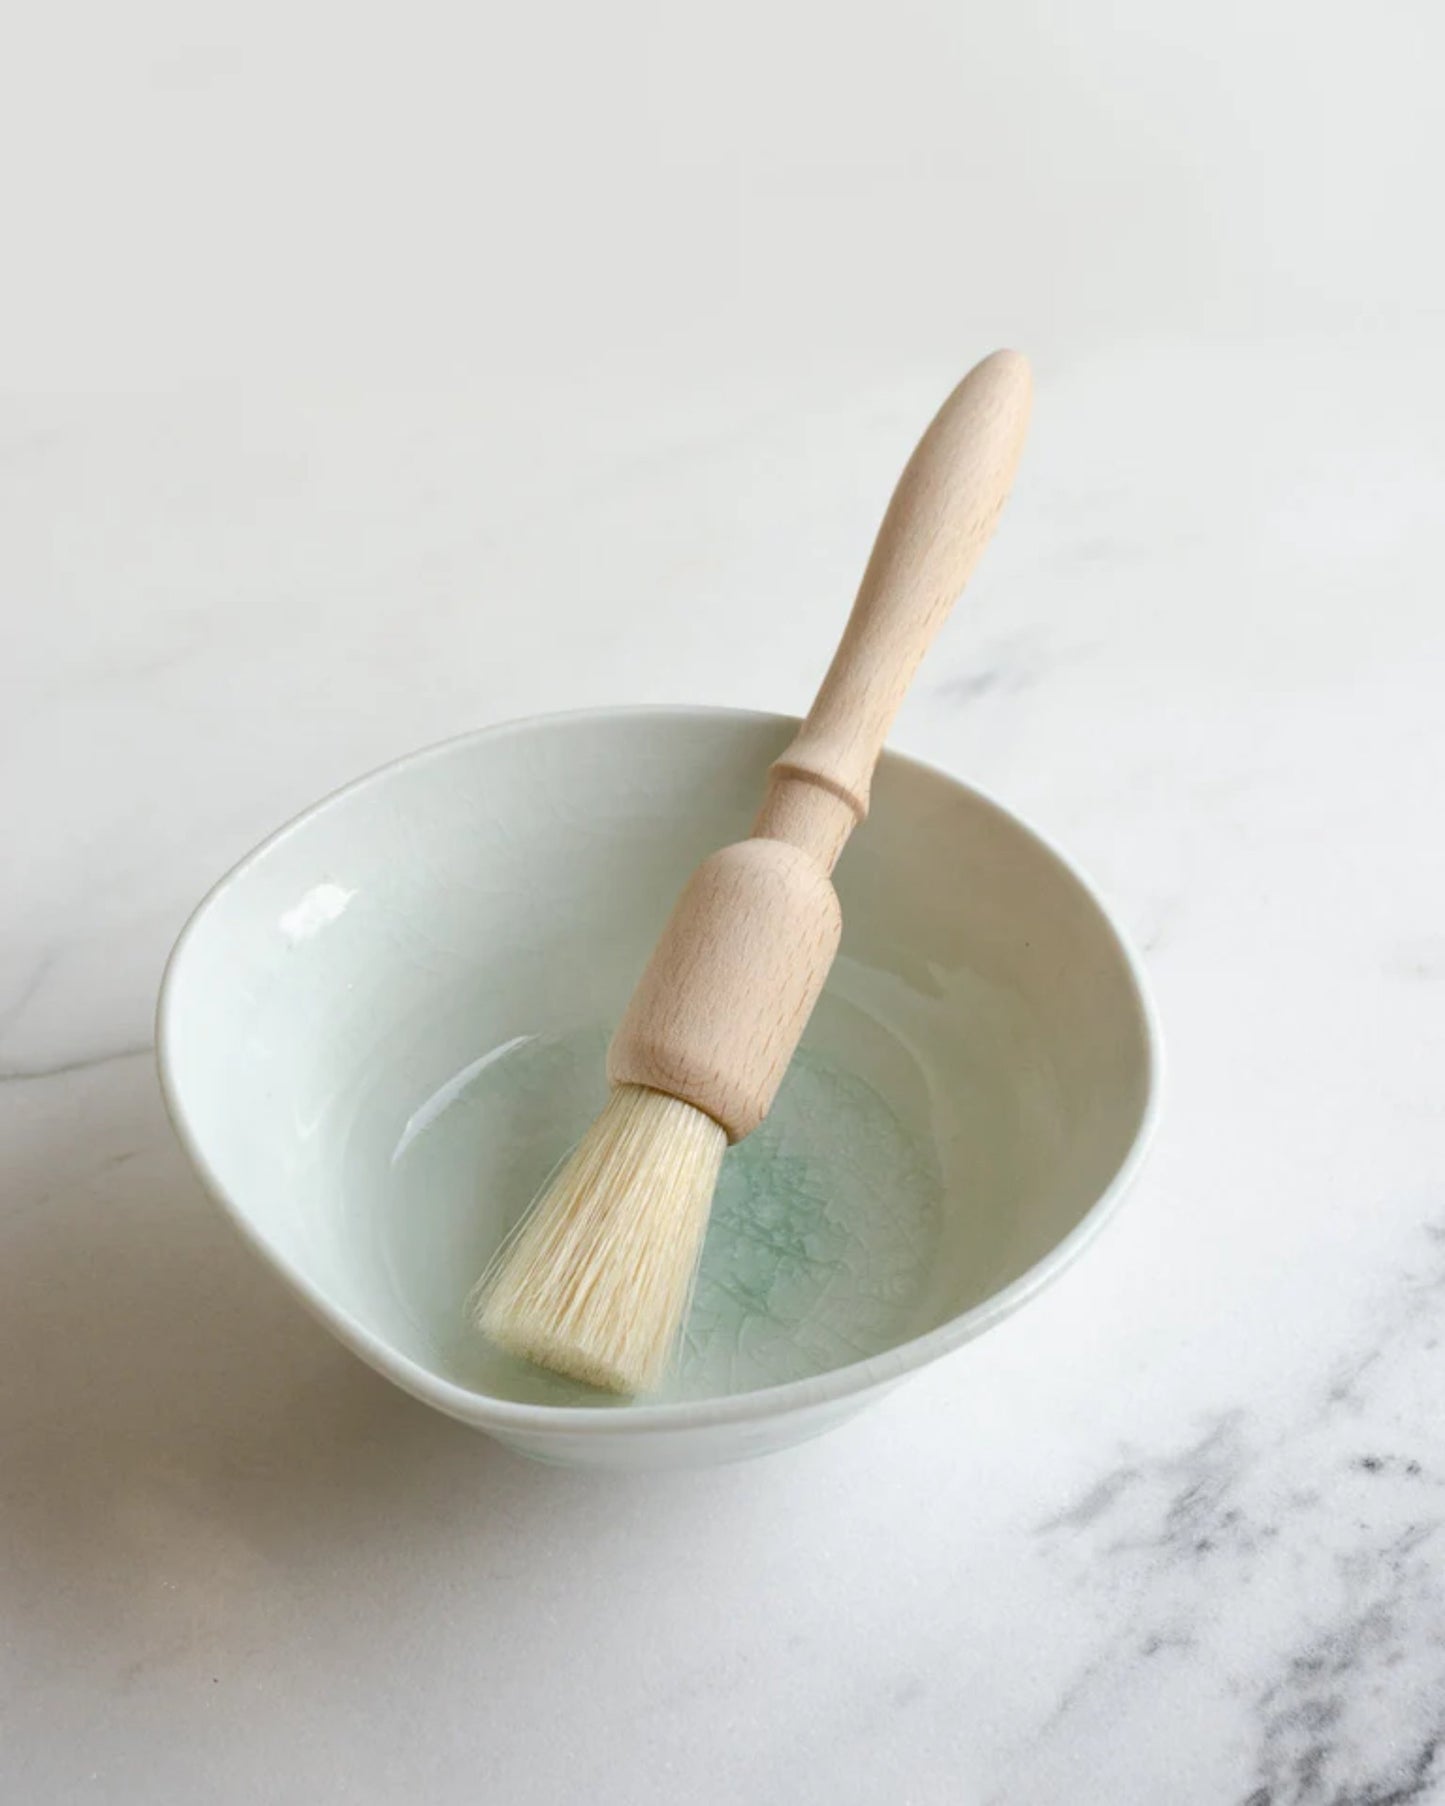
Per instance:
(596,1281)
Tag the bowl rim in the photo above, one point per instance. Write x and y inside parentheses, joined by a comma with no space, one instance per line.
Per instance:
(856,1379)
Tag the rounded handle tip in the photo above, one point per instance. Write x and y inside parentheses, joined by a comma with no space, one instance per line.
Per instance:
(1008,379)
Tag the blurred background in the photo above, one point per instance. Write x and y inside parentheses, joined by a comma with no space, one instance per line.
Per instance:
(519,196)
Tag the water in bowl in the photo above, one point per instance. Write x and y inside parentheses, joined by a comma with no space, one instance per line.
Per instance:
(823,1246)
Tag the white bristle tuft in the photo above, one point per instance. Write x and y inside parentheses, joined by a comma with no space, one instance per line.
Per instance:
(597,1280)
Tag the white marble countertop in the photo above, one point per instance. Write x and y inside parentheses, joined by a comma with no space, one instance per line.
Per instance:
(332,424)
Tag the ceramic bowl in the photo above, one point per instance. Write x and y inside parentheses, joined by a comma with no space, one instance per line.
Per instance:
(381,1032)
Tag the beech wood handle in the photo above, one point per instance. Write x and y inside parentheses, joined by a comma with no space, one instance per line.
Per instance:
(717,1014)
(940,518)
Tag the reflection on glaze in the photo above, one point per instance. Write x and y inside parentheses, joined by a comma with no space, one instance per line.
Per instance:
(426,1114)
(322,904)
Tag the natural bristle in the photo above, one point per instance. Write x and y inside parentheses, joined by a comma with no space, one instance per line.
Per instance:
(597,1280)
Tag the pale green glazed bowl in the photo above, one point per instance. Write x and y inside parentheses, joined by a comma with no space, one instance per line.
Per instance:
(383,1029)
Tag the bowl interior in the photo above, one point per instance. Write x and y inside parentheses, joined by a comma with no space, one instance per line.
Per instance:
(384,1030)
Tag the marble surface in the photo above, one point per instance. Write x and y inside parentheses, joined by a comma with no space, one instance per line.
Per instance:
(324,440)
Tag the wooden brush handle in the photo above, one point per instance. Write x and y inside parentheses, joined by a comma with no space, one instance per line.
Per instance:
(719,1010)
(938,522)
